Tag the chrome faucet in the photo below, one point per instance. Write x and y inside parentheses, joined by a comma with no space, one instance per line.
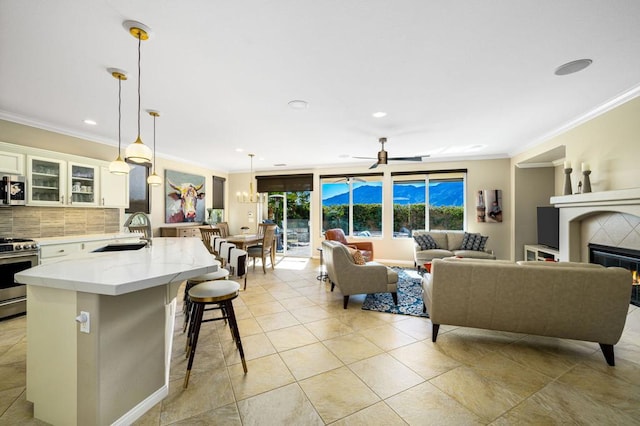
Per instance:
(139,221)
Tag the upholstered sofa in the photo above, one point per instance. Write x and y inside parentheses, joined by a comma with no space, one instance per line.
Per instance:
(567,300)
(352,278)
(448,244)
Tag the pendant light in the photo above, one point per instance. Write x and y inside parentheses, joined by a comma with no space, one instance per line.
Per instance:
(138,152)
(250,197)
(118,166)
(154,179)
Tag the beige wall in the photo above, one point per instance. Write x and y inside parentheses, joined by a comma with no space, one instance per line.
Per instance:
(481,174)
(610,143)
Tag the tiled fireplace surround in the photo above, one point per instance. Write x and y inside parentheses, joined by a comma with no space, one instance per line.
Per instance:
(610,218)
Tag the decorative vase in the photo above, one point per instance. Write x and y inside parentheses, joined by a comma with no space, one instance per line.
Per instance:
(587,182)
(567,181)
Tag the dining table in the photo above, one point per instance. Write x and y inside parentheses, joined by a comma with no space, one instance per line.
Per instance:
(244,241)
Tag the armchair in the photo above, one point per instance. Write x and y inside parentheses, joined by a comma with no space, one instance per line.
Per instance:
(337,234)
(352,278)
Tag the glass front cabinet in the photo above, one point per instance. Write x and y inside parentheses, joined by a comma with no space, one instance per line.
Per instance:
(58,182)
(82,184)
(47,179)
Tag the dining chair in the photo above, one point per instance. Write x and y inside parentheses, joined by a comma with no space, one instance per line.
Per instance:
(238,265)
(265,248)
(207,235)
(223,227)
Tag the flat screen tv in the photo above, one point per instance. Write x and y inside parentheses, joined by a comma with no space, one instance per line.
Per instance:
(549,226)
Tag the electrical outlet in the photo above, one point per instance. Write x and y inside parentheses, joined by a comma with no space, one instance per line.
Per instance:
(85,321)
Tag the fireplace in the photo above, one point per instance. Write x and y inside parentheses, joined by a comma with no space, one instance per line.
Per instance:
(622,257)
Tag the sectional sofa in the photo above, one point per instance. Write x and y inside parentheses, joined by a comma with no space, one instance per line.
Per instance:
(567,300)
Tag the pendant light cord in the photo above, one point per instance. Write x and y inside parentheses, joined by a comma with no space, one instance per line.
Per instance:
(139,45)
(119,115)
(154,144)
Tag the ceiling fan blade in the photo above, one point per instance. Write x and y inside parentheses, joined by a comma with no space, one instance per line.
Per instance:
(414,158)
(373,166)
(365,158)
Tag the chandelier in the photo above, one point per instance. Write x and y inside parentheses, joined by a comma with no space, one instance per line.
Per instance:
(251,196)
(118,166)
(154,179)
(138,152)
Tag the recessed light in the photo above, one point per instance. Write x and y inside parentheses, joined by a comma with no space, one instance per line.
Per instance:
(90,122)
(298,104)
(573,66)
(239,150)
(379,114)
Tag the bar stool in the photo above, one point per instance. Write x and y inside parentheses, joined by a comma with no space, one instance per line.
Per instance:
(221,292)
(220,274)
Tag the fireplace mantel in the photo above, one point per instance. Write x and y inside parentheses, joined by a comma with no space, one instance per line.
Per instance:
(604,198)
(574,208)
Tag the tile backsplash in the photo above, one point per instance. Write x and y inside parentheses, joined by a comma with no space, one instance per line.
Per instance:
(41,222)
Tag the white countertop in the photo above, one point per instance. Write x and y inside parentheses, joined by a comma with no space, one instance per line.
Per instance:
(84,238)
(168,260)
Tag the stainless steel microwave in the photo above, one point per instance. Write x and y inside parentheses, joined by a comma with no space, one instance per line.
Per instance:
(13,190)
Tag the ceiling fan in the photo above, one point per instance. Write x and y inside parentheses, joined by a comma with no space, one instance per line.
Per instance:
(383,158)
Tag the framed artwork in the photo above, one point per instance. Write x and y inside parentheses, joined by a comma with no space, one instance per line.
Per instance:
(138,189)
(489,205)
(184,197)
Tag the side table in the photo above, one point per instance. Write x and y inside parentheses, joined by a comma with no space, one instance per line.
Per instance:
(323,274)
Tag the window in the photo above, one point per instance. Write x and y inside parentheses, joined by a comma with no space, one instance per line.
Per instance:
(353,203)
(445,206)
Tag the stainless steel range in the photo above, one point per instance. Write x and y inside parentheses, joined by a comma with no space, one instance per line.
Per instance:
(16,254)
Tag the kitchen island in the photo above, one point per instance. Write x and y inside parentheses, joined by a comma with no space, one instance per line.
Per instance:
(114,366)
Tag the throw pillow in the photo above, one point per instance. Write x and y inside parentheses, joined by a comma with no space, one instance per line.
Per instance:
(475,242)
(425,241)
(467,241)
(356,254)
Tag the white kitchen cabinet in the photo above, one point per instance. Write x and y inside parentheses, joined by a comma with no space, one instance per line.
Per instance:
(47,181)
(114,189)
(11,163)
(82,184)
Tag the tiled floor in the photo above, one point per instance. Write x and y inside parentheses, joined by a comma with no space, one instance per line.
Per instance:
(311,362)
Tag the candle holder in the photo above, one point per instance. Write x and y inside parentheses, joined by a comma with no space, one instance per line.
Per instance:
(567,181)
(587,182)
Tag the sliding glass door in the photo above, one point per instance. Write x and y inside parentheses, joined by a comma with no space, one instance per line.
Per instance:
(290,211)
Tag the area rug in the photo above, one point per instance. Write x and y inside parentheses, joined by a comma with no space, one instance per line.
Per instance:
(409,296)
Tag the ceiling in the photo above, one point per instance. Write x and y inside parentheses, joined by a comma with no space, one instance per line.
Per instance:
(465,79)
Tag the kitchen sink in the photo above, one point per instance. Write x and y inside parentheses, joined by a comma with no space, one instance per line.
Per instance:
(121,247)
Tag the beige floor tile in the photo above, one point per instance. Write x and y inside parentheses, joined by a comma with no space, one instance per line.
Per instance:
(600,387)
(291,337)
(223,416)
(387,337)
(20,413)
(627,371)
(310,360)
(352,348)
(328,328)
(338,393)
(255,346)
(516,378)
(253,298)
(359,320)
(385,375)
(377,414)
(8,397)
(287,405)
(416,327)
(298,302)
(13,375)
(276,321)
(206,391)
(310,314)
(485,397)
(246,327)
(266,308)
(425,359)
(425,404)
(468,348)
(558,403)
(264,374)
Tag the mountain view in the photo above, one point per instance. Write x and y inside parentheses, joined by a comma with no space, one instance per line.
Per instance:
(441,194)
